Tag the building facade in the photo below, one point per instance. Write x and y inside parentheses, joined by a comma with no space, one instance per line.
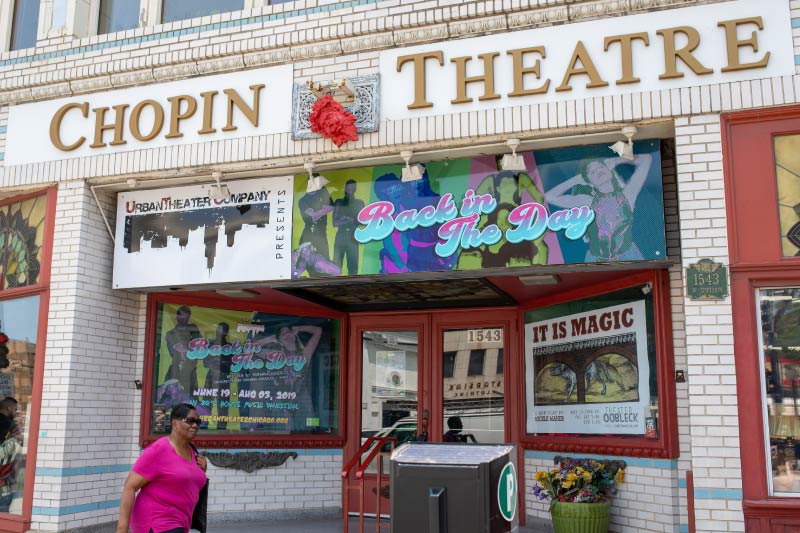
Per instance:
(568,225)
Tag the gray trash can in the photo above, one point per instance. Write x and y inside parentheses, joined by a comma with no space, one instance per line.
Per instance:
(455,488)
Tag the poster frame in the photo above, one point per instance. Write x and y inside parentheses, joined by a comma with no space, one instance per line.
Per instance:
(232,440)
(665,446)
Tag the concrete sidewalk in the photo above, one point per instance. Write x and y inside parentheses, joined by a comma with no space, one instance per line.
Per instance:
(322,525)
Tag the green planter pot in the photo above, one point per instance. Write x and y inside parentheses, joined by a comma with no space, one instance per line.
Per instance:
(571,517)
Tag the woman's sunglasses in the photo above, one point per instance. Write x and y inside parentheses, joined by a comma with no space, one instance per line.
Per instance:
(192,421)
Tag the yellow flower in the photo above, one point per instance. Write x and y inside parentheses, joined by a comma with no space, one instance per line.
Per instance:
(587,476)
(541,476)
(620,475)
(571,477)
(567,484)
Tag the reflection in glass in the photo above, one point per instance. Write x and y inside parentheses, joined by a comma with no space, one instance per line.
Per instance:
(25,24)
(118,15)
(18,322)
(787,170)
(473,393)
(389,386)
(780,339)
(172,10)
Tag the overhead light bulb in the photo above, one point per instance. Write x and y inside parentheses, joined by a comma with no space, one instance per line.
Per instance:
(513,161)
(218,190)
(625,149)
(411,172)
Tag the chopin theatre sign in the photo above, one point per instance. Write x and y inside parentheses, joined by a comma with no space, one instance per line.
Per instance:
(724,42)
(210,108)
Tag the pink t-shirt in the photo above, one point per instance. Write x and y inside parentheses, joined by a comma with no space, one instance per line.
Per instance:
(168,500)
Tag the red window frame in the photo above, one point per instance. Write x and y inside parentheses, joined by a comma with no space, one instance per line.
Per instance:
(21,523)
(257,440)
(666,445)
(757,261)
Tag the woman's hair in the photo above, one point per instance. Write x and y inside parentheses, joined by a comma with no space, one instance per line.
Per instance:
(498,178)
(181,411)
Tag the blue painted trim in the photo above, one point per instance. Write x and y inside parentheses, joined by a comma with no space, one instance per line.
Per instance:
(718,494)
(94,470)
(2,156)
(797,60)
(796,23)
(3,129)
(667,464)
(75,509)
(683,528)
(681,483)
(176,33)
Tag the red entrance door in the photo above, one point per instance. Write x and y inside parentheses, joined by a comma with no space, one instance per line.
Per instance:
(433,376)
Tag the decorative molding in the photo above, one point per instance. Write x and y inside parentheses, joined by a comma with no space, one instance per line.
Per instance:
(221,64)
(421,35)
(134,77)
(249,461)
(366,107)
(539,17)
(87,85)
(598,9)
(330,48)
(174,72)
(476,27)
(368,42)
(270,57)
(640,5)
(53,90)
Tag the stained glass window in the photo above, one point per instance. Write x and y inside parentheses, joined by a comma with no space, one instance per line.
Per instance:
(787,169)
(21,240)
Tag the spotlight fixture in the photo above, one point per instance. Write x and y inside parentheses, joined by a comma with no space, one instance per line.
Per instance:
(543,279)
(647,288)
(132,182)
(625,149)
(315,181)
(218,191)
(411,172)
(513,161)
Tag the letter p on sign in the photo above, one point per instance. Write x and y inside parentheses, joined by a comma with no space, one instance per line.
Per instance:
(507,492)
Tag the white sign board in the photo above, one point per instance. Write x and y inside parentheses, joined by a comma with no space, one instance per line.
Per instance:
(205,102)
(589,372)
(180,236)
(648,53)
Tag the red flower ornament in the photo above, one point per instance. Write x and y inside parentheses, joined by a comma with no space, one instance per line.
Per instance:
(333,121)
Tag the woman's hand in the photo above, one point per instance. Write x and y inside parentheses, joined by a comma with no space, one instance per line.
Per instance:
(201,462)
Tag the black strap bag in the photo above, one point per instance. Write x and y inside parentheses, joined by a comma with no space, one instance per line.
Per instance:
(199,516)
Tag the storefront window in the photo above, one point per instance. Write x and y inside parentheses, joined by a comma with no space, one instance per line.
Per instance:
(172,10)
(787,169)
(21,239)
(780,352)
(591,366)
(118,15)
(18,322)
(247,371)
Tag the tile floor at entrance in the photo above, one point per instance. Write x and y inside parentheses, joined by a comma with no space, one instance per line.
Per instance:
(321,526)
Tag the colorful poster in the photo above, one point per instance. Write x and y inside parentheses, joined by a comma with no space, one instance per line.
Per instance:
(570,205)
(186,235)
(589,372)
(248,371)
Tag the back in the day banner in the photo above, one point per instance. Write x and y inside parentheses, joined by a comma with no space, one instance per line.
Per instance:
(570,205)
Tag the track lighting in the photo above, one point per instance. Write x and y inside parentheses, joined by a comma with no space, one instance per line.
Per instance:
(625,149)
(315,181)
(218,190)
(513,161)
(411,172)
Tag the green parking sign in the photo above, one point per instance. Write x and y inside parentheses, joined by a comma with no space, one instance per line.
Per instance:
(507,492)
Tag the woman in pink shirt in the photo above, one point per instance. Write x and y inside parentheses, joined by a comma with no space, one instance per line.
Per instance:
(168,477)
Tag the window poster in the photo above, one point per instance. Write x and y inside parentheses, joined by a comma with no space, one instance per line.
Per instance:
(247,370)
(589,372)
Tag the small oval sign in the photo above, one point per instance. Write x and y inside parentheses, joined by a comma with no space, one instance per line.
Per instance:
(507,492)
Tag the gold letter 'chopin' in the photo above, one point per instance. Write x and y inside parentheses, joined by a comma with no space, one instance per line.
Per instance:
(100,126)
(175,114)
(250,112)
(671,54)
(733,42)
(487,79)
(520,71)
(420,100)
(55,126)
(625,49)
(158,121)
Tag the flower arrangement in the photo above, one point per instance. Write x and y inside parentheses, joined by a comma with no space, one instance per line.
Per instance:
(333,121)
(579,480)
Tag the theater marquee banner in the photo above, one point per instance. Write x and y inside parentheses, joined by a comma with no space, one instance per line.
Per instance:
(589,372)
(183,236)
